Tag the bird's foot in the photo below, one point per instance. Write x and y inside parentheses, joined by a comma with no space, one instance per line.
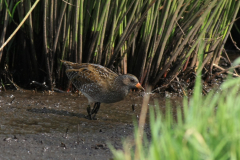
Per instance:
(91,117)
(94,117)
(88,117)
(92,113)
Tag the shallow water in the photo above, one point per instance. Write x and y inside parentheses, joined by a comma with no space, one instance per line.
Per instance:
(53,125)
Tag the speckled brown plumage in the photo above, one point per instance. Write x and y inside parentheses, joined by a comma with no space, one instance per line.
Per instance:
(100,84)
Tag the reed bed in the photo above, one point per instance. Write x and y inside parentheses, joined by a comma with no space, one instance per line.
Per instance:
(152,39)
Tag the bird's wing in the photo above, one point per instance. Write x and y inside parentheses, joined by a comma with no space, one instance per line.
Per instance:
(86,73)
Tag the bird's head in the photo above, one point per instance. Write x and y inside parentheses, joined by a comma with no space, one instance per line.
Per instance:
(130,81)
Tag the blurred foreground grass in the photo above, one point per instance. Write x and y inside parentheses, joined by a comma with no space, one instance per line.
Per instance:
(208,128)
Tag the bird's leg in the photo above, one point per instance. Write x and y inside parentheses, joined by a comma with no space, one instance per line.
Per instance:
(95,109)
(89,112)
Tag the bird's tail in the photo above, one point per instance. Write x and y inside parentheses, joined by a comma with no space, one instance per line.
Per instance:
(71,72)
(67,64)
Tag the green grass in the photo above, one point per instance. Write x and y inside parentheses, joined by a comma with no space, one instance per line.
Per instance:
(209,130)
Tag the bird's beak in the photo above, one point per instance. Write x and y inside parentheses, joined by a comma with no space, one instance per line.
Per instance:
(139,86)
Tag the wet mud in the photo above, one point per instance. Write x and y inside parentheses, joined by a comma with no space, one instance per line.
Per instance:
(53,125)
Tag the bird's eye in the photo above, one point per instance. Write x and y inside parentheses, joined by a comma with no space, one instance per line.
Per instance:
(132,80)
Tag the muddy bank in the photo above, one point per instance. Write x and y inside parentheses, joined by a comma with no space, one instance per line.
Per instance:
(53,126)
(58,145)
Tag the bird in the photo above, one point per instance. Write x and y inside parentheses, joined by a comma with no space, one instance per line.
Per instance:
(99,84)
